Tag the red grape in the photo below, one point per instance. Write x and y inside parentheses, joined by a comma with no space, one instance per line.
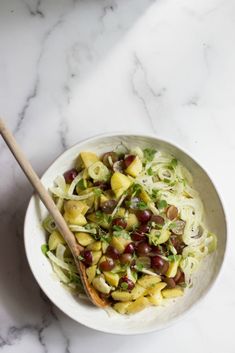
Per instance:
(108,206)
(120,222)
(143,248)
(129,283)
(70,175)
(128,160)
(112,155)
(87,256)
(143,215)
(143,228)
(107,265)
(129,249)
(159,264)
(112,252)
(157,219)
(170,282)
(125,258)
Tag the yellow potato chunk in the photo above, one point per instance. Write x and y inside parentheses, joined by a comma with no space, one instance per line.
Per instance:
(121,296)
(95,246)
(172,269)
(84,239)
(74,208)
(103,198)
(96,255)
(173,293)
(149,281)
(88,158)
(120,243)
(91,272)
(138,305)
(79,220)
(120,212)
(135,167)
(156,289)
(138,291)
(145,196)
(119,183)
(111,278)
(55,239)
(155,299)
(121,308)
(132,221)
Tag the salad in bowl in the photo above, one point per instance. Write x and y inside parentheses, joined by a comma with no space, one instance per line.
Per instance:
(139,221)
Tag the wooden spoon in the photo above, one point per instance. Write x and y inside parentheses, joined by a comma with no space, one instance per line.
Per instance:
(52,209)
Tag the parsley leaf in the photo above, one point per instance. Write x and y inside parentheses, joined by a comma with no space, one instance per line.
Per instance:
(121,233)
(124,285)
(141,205)
(80,257)
(173,163)
(173,258)
(154,194)
(139,266)
(162,204)
(149,171)
(97,191)
(149,154)
(82,184)
(44,249)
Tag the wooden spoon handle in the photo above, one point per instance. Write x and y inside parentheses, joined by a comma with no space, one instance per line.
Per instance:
(50,205)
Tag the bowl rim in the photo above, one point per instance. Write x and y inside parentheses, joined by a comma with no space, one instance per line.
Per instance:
(220,198)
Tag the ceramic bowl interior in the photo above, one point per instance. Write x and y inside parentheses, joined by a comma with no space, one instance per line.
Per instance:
(153,318)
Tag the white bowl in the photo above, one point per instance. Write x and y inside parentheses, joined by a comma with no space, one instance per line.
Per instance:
(153,318)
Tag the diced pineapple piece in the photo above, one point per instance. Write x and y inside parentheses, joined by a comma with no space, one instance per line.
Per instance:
(155,299)
(111,278)
(119,183)
(120,243)
(132,221)
(88,158)
(91,272)
(120,212)
(96,255)
(156,289)
(121,296)
(79,220)
(102,221)
(100,284)
(172,269)
(95,246)
(84,239)
(135,167)
(73,208)
(149,281)
(162,238)
(121,308)
(145,196)
(138,305)
(55,239)
(138,291)
(173,293)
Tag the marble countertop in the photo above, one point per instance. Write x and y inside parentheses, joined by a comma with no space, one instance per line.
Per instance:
(73,69)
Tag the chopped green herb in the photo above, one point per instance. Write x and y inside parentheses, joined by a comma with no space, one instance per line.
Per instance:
(172,225)
(82,184)
(166,180)
(80,258)
(44,249)
(117,228)
(136,188)
(154,194)
(124,285)
(99,214)
(149,154)
(173,163)
(121,233)
(172,258)
(139,266)
(150,171)
(162,204)
(97,191)
(141,205)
